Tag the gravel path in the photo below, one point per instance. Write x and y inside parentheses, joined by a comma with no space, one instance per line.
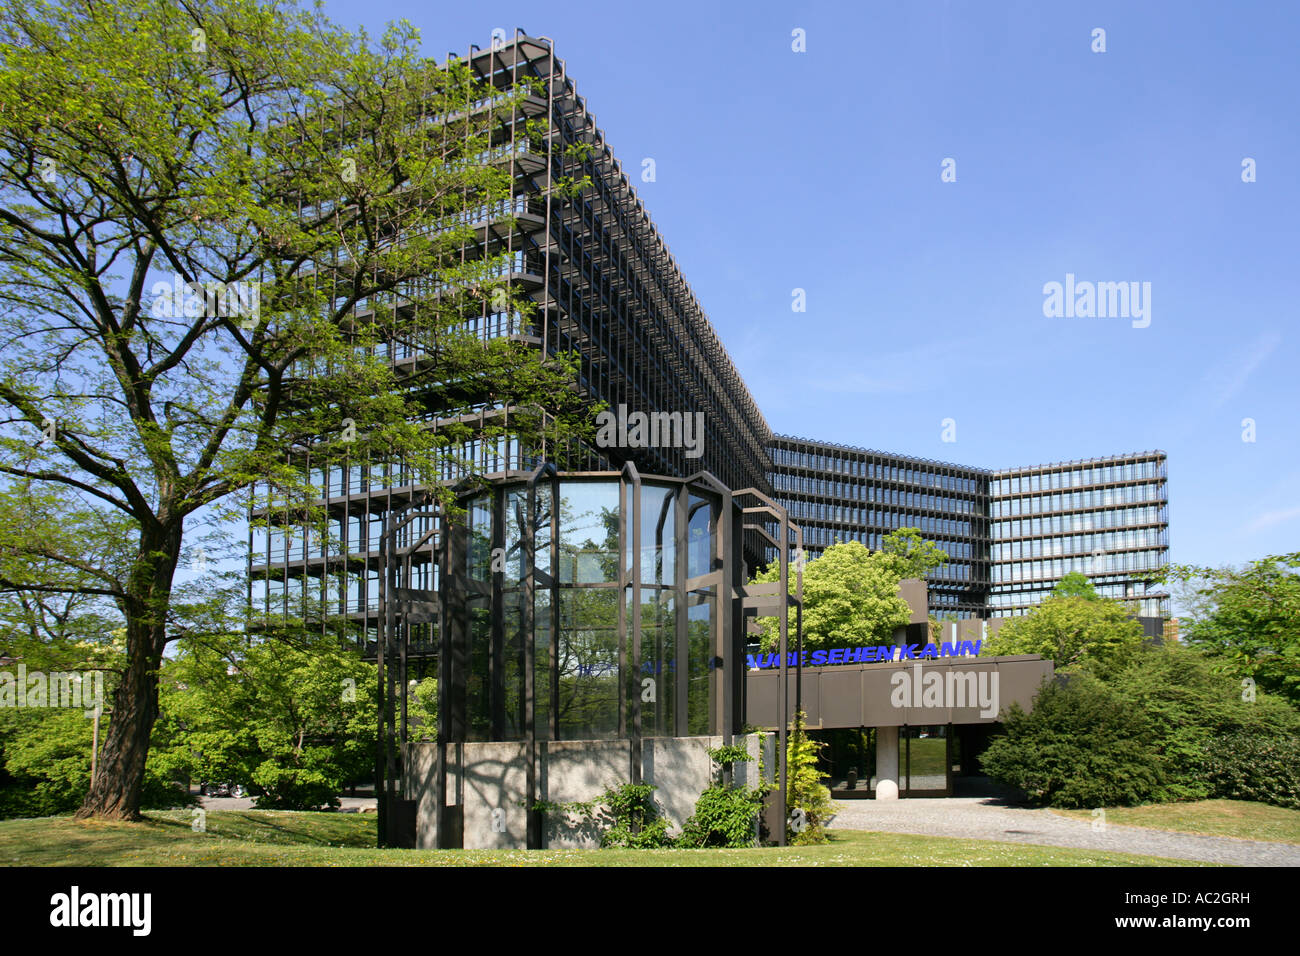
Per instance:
(982,818)
(346,804)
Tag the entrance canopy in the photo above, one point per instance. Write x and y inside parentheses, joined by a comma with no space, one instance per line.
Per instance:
(946,690)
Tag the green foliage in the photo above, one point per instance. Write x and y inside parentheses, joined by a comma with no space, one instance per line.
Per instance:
(850,598)
(1071,630)
(52,615)
(909,555)
(422,711)
(1080,746)
(807,794)
(1249,617)
(1153,730)
(625,815)
(296,722)
(1214,718)
(1252,766)
(637,820)
(1075,584)
(45,764)
(1187,702)
(850,593)
(147,148)
(724,817)
(728,754)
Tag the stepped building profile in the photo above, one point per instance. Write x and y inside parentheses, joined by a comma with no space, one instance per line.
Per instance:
(606,285)
(592,620)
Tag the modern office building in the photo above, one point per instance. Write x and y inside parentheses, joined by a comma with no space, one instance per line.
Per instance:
(1103,517)
(1011,534)
(612,579)
(840,493)
(605,285)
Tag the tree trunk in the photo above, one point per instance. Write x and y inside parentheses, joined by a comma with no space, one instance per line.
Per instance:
(119,777)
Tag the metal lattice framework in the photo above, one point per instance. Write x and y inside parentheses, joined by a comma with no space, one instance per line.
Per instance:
(687,504)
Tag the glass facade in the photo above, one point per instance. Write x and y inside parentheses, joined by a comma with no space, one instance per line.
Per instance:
(1104,518)
(603,285)
(606,287)
(588,672)
(840,493)
(1011,535)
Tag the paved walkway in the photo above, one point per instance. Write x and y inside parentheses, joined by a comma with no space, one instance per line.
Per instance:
(985,818)
(346,804)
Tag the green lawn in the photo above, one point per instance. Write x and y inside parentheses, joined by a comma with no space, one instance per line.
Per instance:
(270,838)
(1230,818)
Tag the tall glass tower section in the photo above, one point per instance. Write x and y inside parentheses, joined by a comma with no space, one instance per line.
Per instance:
(1105,518)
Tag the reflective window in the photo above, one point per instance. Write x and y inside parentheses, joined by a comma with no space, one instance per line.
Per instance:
(589,517)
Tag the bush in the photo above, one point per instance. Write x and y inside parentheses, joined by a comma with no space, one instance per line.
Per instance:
(636,820)
(292,788)
(1253,767)
(1188,703)
(45,766)
(1169,725)
(808,795)
(1081,746)
(625,815)
(724,816)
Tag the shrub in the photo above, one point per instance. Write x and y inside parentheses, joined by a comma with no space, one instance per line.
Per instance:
(724,816)
(1253,767)
(625,815)
(635,818)
(294,788)
(1168,725)
(1188,702)
(45,765)
(1081,746)
(807,794)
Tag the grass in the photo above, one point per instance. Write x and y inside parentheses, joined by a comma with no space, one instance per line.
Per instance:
(271,838)
(1243,819)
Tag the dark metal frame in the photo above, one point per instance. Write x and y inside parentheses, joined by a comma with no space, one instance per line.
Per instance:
(767,599)
(726,574)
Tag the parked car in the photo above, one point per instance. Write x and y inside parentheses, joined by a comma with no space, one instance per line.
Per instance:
(222,789)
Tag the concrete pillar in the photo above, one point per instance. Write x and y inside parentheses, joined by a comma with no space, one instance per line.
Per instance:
(886,763)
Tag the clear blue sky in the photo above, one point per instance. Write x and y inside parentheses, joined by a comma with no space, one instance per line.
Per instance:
(820,170)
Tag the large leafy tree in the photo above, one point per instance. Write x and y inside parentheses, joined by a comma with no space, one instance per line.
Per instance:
(1075,584)
(850,593)
(213,216)
(1248,617)
(59,562)
(297,721)
(1072,630)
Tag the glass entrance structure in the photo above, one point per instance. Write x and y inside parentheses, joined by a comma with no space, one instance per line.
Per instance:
(609,592)
(591,606)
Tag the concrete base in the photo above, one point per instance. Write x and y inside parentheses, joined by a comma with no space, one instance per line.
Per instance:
(488,782)
(886,763)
